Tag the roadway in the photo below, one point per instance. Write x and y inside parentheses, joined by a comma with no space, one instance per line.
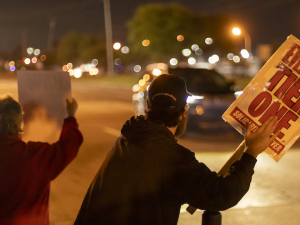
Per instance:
(274,196)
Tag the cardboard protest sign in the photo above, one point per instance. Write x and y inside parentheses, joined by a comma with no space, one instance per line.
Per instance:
(42,95)
(274,91)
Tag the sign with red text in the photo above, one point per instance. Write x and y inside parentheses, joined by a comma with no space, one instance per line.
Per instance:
(274,91)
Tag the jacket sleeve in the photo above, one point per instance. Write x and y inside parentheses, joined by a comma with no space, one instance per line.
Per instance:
(51,159)
(204,189)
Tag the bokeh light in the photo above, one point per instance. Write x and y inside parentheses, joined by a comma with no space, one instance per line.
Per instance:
(230,56)
(119,68)
(27,61)
(117,45)
(245,54)
(34,60)
(125,50)
(146,77)
(36,52)
(213,59)
(236,31)
(30,50)
(145,42)
(137,68)
(199,51)
(118,61)
(208,41)
(43,57)
(186,52)
(95,62)
(94,72)
(77,73)
(195,47)
(173,61)
(136,88)
(236,59)
(65,68)
(156,72)
(180,38)
(69,65)
(11,63)
(12,68)
(191,60)
(142,82)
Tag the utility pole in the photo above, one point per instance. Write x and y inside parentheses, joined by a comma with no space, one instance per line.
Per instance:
(51,34)
(24,42)
(108,33)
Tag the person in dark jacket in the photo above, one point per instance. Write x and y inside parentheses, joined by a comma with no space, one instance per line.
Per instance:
(147,175)
(26,169)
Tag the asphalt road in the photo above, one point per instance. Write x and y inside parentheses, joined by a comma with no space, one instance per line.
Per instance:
(274,196)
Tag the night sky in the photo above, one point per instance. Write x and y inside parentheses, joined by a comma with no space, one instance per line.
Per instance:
(267,21)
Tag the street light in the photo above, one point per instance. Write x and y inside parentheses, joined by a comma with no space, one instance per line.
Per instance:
(237,31)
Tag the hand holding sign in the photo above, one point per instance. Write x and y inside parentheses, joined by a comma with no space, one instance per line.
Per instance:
(258,141)
(71,107)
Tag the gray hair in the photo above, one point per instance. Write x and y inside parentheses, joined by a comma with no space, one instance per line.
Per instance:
(11,121)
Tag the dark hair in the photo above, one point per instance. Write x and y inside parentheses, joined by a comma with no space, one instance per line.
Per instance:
(10,116)
(168,117)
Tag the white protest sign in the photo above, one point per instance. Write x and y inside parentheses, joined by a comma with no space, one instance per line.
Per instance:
(42,95)
(274,91)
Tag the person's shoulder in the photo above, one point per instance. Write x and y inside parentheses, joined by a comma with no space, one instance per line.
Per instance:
(179,154)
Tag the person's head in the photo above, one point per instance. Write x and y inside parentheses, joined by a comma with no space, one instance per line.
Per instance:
(11,121)
(166,102)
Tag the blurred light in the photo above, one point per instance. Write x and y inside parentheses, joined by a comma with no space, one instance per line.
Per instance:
(11,63)
(65,68)
(24,59)
(135,96)
(230,56)
(238,93)
(12,68)
(245,53)
(95,62)
(146,77)
(36,52)
(162,66)
(191,99)
(34,60)
(191,61)
(43,57)
(148,87)
(145,42)
(71,71)
(208,41)
(119,68)
(156,72)
(199,51)
(69,65)
(195,47)
(125,50)
(236,59)
(94,72)
(118,61)
(142,82)
(180,38)
(27,61)
(77,73)
(199,110)
(186,52)
(173,61)
(236,31)
(137,68)
(136,88)
(117,46)
(141,94)
(213,59)
(29,50)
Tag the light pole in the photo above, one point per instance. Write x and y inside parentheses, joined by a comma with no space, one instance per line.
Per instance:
(246,35)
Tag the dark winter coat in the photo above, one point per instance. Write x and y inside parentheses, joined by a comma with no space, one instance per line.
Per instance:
(147,176)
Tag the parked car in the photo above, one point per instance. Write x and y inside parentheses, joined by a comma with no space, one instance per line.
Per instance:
(211,95)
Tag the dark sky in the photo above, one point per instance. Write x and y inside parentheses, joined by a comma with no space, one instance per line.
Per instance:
(266,20)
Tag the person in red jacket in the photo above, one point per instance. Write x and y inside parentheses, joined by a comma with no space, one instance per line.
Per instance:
(26,169)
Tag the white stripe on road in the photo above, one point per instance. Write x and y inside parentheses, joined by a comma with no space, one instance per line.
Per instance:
(112,131)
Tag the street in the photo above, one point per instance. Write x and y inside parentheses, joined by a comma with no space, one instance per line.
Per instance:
(273,198)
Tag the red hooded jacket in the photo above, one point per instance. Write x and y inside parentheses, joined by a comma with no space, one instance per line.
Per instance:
(26,170)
